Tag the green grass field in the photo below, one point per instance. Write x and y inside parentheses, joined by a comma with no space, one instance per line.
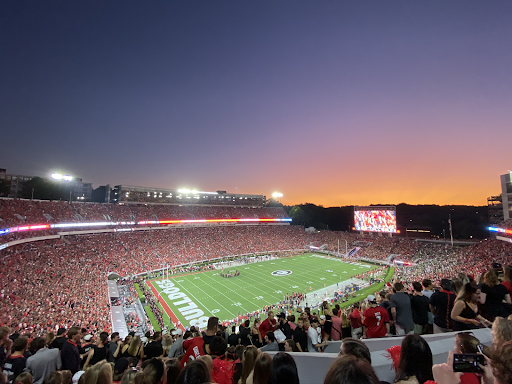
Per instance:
(200,295)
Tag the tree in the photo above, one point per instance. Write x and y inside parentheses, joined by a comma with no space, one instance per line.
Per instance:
(298,216)
(44,189)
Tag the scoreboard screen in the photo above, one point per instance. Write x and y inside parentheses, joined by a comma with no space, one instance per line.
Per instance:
(375,219)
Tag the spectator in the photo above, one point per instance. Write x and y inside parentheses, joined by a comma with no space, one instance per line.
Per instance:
(356,348)
(5,344)
(59,341)
(211,330)
(166,343)
(53,378)
(270,343)
(284,326)
(154,348)
(120,367)
(262,370)
(284,370)
(70,353)
(336,325)
(465,312)
(15,363)
(501,332)
(500,366)
(300,336)
(99,374)
(196,372)
(154,372)
(249,358)
(177,345)
(66,376)
(415,361)
(99,351)
(173,370)
(315,342)
(376,320)
(401,311)
(269,324)
(290,346)
(428,291)
(256,338)
(350,370)
(234,338)
(356,322)
(23,378)
(245,333)
(493,295)
(507,283)
(420,309)
(135,349)
(441,305)
(43,362)
(114,347)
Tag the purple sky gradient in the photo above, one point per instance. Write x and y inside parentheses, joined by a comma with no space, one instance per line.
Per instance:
(333,103)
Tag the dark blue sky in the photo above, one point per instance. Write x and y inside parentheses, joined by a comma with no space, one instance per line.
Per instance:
(328,102)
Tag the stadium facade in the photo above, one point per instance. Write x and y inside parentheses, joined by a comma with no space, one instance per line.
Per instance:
(506,195)
(127,194)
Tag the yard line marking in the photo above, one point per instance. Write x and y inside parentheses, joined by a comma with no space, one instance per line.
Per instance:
(211,286)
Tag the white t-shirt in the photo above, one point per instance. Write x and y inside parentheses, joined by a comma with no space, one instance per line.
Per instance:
(313,338)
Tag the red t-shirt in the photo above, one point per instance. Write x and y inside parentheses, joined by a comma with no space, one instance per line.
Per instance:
(266,326)
(355,319)
(375,320)
(193,349)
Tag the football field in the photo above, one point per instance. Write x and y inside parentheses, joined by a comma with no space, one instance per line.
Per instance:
(193,297)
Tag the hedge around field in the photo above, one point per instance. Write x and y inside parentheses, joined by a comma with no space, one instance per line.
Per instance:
(152,318)
(139,292)
(363,293)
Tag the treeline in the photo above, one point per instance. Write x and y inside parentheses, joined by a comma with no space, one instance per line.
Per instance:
(467,221)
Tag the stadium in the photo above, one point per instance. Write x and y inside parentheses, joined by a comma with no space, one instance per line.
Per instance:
(143,265)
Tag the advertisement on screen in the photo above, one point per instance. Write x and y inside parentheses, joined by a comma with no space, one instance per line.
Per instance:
(375,221)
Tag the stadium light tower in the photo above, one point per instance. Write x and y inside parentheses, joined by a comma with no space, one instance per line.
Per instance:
(58,176)
(277,196)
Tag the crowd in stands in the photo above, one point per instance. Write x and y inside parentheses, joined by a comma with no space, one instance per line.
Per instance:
(507,224)
(22,212)
(44,283)
(241,357)
(59,286)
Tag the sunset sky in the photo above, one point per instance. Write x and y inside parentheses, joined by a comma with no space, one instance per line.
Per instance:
(329,102)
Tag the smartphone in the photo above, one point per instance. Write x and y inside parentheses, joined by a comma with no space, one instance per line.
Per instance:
(468,362)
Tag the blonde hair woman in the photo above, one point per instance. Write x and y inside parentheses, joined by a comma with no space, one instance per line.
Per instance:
(100,373)
(136,348)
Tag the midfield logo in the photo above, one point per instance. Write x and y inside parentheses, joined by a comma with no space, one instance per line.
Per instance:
(281,272)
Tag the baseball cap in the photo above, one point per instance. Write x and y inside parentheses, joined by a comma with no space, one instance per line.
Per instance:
(87,337)
(446,284)
(322,317)
(371,298)
(178,332)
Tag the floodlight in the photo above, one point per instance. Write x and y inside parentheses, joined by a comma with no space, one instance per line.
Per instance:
(276,195)
(67,177)
(56,176)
